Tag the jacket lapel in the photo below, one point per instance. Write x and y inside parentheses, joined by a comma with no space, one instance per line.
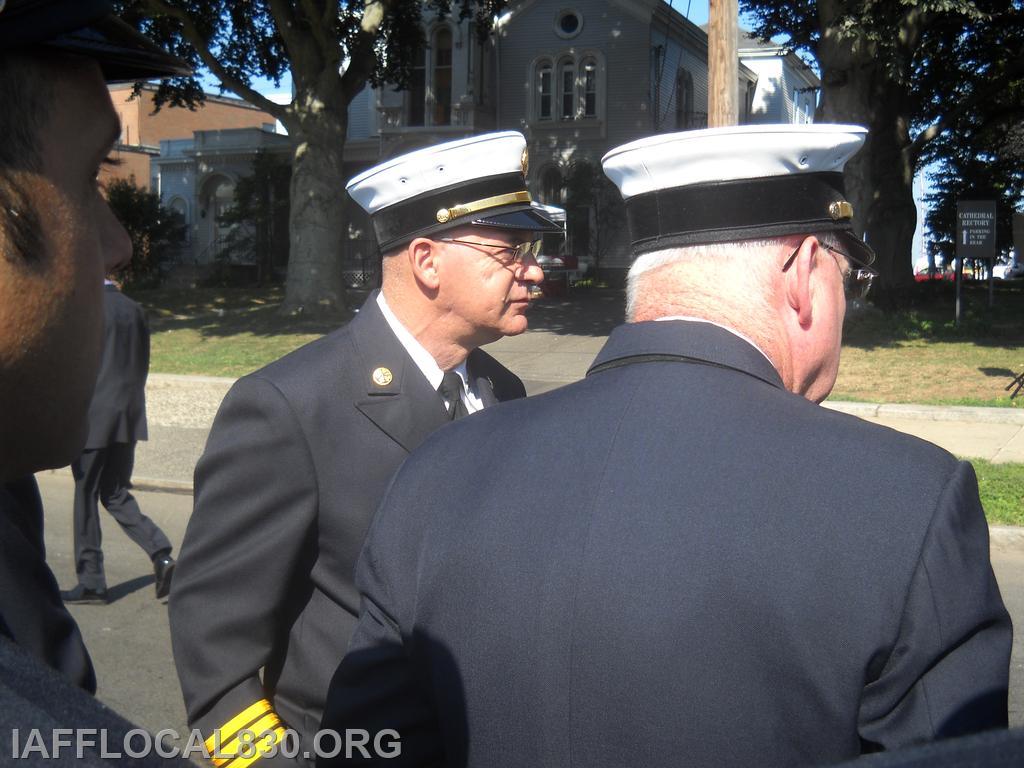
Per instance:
(399,399)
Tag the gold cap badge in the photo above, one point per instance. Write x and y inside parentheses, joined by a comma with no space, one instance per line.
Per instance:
(525,162)
(382,377)
(843,210)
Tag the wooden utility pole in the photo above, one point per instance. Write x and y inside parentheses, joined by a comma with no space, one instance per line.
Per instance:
(723,74)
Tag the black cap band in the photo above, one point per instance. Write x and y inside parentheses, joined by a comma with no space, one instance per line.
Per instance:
(417,217)
(740,209)
(86,28)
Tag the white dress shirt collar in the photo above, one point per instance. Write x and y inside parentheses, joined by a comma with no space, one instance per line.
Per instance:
(424,360)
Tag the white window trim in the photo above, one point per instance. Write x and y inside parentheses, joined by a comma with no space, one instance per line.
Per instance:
(555,62)
(428,87)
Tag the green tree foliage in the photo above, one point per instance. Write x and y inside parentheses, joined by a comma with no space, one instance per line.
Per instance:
(332,49)
(933,81)
(972,173)
(154,230)
(258,218)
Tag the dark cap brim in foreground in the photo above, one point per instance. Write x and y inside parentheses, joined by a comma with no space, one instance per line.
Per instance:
(85,28)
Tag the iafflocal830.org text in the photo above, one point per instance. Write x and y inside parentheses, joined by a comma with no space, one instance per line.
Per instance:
(77,743)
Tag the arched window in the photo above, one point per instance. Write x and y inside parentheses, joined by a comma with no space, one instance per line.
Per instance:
(684,99)
(442,77)
(568,89)
(545,91)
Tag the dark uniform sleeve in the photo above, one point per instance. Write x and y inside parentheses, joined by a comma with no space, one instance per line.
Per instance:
(376,688)
(248,542)
(947,673)
(31,611)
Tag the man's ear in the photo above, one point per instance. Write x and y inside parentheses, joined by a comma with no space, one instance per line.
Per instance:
(799,293)
(423,254)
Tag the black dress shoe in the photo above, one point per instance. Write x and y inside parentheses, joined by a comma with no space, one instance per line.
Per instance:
(163,568)
(82,595)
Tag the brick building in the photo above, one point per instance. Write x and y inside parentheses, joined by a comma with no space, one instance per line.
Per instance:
(142,129)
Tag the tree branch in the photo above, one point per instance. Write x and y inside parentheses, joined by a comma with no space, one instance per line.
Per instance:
(978,95)
(361,56)
(287,26)
(328,46)
(202,47)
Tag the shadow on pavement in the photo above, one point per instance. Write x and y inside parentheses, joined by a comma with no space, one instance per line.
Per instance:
(126,588)
(581,313)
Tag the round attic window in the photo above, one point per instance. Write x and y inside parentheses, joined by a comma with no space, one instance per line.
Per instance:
(569,24)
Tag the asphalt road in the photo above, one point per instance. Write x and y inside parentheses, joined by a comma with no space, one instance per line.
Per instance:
(129,640)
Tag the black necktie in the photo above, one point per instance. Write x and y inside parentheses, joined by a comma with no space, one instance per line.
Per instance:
(451,390)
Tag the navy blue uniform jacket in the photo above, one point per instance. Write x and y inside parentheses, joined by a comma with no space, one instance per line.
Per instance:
(31,611)
(300,454)
(674,562)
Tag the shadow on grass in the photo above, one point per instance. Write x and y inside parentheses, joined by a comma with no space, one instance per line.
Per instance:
(222,312)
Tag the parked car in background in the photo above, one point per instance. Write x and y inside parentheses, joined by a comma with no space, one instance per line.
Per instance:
(1011,272)
(923,276)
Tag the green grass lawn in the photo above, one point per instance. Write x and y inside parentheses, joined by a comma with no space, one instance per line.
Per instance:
(1002,491)
(919,356)
(225,331)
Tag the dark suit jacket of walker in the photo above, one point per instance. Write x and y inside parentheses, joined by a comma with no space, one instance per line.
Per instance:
(117,413)
(683,565)
(298,458)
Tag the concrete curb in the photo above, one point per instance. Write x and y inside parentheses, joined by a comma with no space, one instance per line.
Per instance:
(154,484)
(930,412)
(1007,535)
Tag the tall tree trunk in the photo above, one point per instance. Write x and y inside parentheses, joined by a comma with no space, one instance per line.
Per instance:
(892,216)
(317,218)
(856,88)
(848,67)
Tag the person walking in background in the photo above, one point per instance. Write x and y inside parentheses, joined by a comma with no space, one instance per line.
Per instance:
(117,421)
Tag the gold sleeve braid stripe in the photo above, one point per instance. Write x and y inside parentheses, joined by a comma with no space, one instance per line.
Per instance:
(259,714)
(237,752)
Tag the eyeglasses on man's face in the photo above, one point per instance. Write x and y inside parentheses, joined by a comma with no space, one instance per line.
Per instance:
(857,280)
(508,254)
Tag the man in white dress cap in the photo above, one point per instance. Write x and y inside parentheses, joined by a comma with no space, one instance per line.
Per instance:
(263,601)
(737,576)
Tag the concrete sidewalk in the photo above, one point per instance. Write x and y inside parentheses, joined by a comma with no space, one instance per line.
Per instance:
(565,337)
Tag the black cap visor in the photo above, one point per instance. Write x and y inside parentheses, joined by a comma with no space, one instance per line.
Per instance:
(523,220)
(856,249)
(122,53)
(86,28)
